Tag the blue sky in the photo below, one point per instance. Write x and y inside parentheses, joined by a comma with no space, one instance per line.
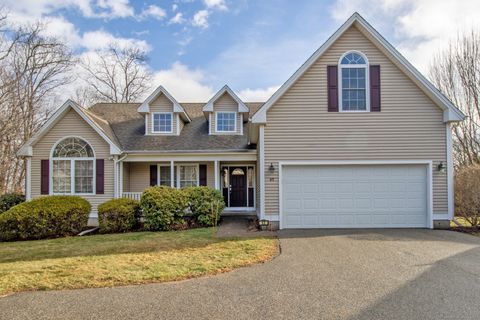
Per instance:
(197,46)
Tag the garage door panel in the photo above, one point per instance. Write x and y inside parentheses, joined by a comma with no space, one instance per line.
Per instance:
(354,196)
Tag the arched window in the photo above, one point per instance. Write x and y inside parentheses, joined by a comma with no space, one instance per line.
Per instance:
(353,82)
(73,167)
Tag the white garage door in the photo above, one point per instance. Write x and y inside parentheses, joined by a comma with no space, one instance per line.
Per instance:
(360,196)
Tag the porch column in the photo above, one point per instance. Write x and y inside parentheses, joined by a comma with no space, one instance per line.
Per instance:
(172,174)
(217,184)
(120,187)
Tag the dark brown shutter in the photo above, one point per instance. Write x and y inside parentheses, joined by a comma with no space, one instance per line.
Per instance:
(100,176)
(203,175)
(45,177)
(153,175)
(332,83)
(375,88)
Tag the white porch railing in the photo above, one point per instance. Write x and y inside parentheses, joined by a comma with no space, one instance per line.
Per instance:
(132,195)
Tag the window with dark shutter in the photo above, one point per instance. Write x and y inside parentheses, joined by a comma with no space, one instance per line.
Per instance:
(153,175)
(45,177)
(100,176)
(332,84)
(203,175)
(375,88)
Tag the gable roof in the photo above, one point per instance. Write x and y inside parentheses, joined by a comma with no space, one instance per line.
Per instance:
(100,125)
(450,112)
(225,89)
(145,106)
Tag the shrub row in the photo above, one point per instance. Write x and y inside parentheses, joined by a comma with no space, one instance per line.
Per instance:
(163,208)
(9,200)
(45,217)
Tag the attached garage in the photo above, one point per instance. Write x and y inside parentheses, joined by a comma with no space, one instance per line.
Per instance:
(355,195)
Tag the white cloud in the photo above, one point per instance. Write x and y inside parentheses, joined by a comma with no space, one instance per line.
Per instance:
(153,11)
(114,9)
(420,28)
(177,19)
(200,19)
(100,40)
(185,84)
(259,95)
(216,4)
(174,7)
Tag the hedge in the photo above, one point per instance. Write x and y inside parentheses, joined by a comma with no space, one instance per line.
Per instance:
(163,207)
(45,217)
(118,215)
(9,200)
(201,201)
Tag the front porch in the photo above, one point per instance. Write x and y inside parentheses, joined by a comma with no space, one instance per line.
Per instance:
(237,180)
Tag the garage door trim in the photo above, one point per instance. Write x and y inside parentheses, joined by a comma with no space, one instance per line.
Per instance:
(282,164)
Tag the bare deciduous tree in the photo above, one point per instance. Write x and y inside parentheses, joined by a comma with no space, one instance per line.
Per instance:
(32,68)
(456,73)
(116,75)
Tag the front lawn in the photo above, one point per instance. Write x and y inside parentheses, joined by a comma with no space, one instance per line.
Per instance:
(121,259)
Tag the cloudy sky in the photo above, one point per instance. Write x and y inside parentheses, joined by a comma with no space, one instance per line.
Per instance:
(197,46)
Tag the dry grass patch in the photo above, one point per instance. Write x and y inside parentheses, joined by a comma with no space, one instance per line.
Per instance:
(121,259)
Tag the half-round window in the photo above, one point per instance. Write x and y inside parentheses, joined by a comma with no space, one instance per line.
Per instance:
(353,82)
(73,167)
(73,148)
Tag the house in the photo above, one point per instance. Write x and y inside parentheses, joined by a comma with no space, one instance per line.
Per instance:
(355,138)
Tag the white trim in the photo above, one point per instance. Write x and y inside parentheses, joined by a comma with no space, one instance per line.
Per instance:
(245,156)
(367,80)
(450,172)
(451,113)
(242,107)
(244,209)
(210,123)
(261,142)
(153,122)
(429,186)
(226,131)
(115,177)
(145,106)
(28,179)
(72,168)
(241,124)
(172,174)
(26,149)
(120,172)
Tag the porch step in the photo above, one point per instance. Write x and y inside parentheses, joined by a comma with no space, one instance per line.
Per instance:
(240,214)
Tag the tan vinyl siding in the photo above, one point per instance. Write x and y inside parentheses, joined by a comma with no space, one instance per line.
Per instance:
(161,104)
(409,126)
(73,125)
(225,104)
(211,174)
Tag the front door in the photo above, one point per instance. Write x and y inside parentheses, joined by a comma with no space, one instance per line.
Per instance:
(238,187)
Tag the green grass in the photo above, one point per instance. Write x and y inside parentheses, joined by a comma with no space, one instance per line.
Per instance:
(121,259)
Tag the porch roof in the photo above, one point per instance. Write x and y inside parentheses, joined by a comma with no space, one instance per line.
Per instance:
(129,128)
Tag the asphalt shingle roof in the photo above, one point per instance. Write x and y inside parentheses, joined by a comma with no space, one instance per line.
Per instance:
(128,128)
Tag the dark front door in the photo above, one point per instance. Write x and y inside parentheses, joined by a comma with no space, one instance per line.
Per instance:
(238,187)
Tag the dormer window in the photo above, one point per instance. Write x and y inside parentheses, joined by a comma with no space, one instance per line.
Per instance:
(162,122)
(226,121)
(353,82)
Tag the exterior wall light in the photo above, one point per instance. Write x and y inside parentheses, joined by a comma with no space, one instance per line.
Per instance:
(441,167)
(263,223)
(271,169)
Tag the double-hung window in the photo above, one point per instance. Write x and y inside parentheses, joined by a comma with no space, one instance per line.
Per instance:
(188,176)
(73,167)
(353,80)
(162,122)
(226,121)
(185,175)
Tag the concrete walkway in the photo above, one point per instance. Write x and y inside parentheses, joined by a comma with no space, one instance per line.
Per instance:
(321,274)
(240,227)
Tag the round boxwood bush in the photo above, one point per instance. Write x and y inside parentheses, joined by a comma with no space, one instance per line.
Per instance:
(118,215)
(201,201)
(163,207)
(9,200)
(45,217)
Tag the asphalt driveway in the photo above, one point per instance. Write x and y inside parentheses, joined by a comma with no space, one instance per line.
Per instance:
(321,274)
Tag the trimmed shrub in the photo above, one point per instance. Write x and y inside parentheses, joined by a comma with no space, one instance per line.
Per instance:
(467,194)
(118,215)
(201,201)
(45,217)
(163,207)
(9,200)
